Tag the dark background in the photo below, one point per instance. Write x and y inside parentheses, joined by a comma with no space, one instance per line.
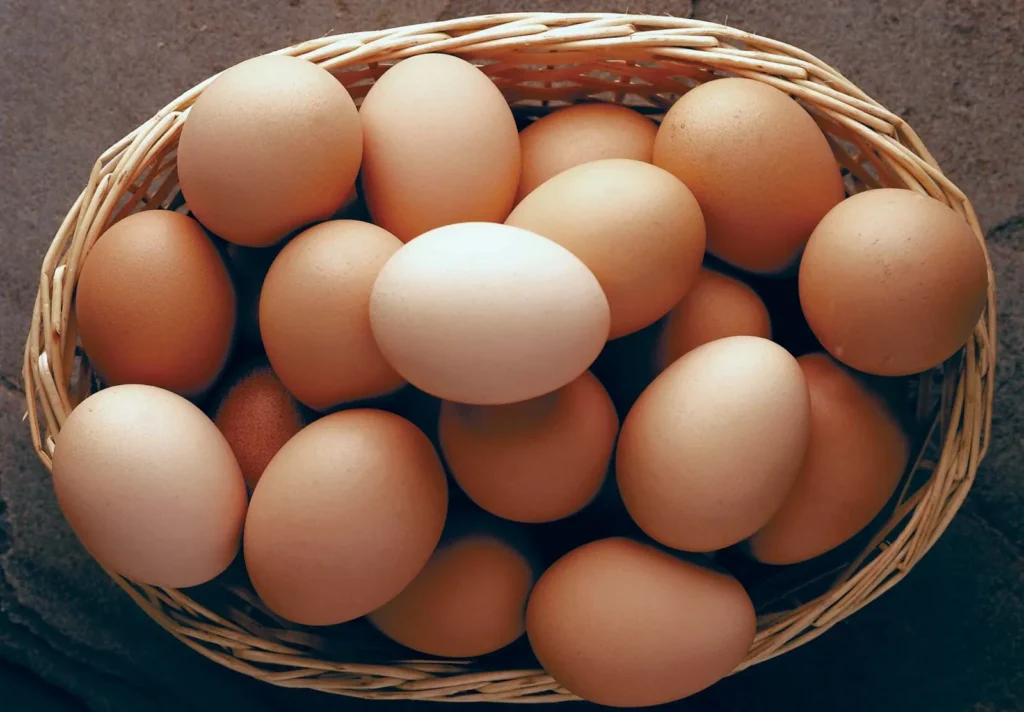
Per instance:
(76,75)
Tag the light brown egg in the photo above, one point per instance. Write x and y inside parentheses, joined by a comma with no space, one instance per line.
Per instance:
(855,457)
(759,166)
(534,461)
(314,314)
(258,416)
(716,306)
(893,282)
(150,486)
(712,447)
(345,516)
(636,227)
(440,145)
(580,134)
(624,624)
(487,314)
(274,143)
(155,304)
(469,600)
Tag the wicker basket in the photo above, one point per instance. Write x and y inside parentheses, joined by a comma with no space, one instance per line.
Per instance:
(539,61)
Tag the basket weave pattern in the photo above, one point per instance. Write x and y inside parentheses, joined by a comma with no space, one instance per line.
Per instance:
(540,62)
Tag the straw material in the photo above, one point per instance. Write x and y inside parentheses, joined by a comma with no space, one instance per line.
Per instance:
(540,62)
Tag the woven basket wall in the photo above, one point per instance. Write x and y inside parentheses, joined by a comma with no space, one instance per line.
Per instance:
(540,62)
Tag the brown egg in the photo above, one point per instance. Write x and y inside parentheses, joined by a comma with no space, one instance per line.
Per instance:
(469,600)
(760,168)
(274,143)
(534,461)
(150,486)
(893,282)
(636,227)
(855,457)
(345,516)
(258,416)
(314,314)
(624,624)
(155,304)
(712,447)
(716,306)
(580,134)
(440,145)
(487,314)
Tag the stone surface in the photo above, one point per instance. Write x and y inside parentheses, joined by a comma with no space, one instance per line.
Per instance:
(75,77)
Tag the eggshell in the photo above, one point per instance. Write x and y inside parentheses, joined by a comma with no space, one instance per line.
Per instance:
(638,229)
(893,282)
(150,486)
(534,461)
(760,168)
(487,314)
(155,304)
(469,600)
(274,143)
(715,306)
(314,314)
(579,134)
(712,447)
(257,416)
(855,457)
(440,147)
(623,624)
(345,516)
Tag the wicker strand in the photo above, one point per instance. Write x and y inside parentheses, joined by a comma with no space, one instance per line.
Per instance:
(541,61)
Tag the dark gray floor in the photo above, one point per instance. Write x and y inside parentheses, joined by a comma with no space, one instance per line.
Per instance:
(76,76)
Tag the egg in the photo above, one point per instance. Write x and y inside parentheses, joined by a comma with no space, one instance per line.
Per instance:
(155,304)
(715,306)
(440,145)
(855,458)
(579,134)
(893,282)
(638,229)
(271,145)
(713,446)
(344,517)
(487,314)
(314,314)
(469,600)
(534,461)
(760,168)
(624,624)
(257,416)
(150,486)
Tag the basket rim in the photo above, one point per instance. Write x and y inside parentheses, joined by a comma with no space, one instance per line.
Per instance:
(132,167)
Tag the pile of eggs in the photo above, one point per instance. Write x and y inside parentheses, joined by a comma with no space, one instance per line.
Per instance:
(388,414)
